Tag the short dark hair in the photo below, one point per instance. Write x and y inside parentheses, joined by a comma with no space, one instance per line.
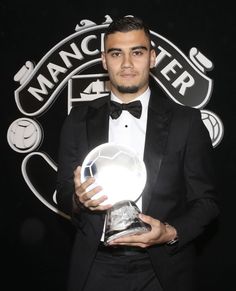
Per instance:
(126,24)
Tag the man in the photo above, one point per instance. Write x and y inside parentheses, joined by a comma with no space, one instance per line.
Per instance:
(179,199)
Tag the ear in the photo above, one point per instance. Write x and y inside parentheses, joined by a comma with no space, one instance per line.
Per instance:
(152,59)
(104,64)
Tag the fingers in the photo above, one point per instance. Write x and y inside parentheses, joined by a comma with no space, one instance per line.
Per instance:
(140,240)
(146,239)
(94,205)
(80,188)
(86,191)
(147,219)
(77,176)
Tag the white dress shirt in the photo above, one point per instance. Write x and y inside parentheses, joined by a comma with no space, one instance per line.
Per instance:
(130,131)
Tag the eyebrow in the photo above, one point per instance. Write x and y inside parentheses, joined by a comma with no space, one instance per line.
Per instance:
(133,48)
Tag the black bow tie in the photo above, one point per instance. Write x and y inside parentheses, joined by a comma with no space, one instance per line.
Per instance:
(134,108)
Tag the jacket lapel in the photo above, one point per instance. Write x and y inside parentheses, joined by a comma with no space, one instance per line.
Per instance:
(159,118)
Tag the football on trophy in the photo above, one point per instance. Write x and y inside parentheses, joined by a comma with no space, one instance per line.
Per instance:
(118,169)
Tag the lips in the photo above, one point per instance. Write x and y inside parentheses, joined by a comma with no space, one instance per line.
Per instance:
(127,75)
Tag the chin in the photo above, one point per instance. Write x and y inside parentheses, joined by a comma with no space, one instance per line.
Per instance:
(128,89)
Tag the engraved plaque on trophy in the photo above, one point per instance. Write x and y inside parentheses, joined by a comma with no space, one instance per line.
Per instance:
(122,175)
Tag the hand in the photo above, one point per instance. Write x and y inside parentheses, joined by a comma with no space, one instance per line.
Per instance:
(159,234)
(83,196)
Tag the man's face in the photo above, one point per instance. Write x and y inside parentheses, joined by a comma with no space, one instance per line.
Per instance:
(128,58)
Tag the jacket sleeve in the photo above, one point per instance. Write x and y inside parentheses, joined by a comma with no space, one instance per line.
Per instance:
(70,155)
(201,195)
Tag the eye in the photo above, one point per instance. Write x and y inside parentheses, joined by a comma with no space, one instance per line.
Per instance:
(115,54)
(137,53)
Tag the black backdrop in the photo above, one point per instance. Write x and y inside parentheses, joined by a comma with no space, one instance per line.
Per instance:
(35,242)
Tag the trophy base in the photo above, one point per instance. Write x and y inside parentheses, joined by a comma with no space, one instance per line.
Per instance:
(122,220)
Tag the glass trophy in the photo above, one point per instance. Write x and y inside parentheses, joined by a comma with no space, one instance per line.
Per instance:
(122,175)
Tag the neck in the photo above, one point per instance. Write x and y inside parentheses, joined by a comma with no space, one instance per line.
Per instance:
(127,97)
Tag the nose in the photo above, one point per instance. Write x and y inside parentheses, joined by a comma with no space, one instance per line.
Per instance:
(127,61)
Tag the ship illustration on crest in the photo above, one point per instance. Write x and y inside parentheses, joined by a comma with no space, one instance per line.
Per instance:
(95,89)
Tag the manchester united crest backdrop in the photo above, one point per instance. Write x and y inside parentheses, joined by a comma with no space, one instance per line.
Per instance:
(50,54)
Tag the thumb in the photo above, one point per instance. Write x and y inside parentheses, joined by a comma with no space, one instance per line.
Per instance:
(146,218)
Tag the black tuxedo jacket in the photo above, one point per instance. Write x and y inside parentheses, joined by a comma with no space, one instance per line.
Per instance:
(179,189)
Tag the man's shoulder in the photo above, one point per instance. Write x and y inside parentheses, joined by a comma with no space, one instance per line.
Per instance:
(183,108)
(184,112)
(84,105)
(167,103)
(160,98)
